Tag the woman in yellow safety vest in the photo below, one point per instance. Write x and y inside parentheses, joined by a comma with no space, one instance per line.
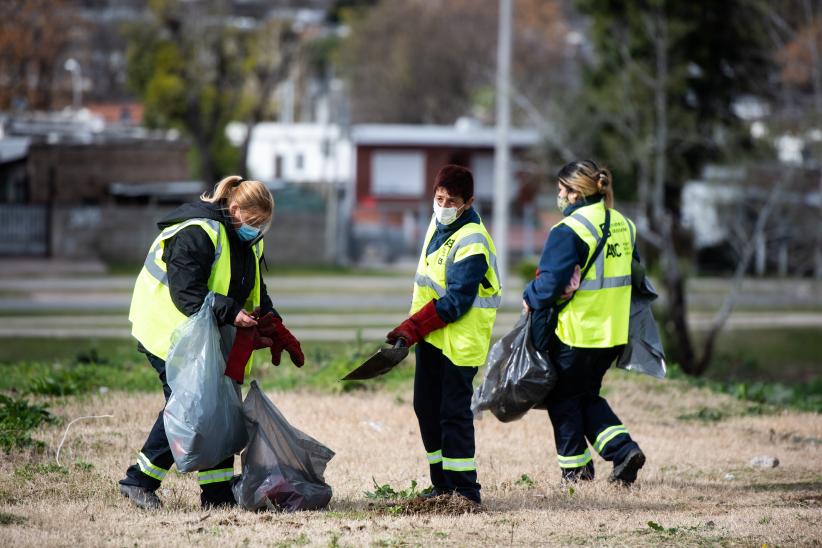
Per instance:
(453,308)
(592,328)
(213,245)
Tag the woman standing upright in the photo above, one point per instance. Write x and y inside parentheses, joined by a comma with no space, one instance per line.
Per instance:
(216,245)
(592,328)
(456,295)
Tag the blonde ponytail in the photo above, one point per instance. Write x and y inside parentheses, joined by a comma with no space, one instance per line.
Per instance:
(250,196)
(222,190)
(605,186)
(586,178)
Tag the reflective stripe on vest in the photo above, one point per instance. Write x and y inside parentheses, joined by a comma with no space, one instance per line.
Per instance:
(597,316)
(153,315)
(465,341)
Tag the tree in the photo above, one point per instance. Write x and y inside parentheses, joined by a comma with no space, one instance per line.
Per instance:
(433,61)
(795,29)
(197,74)
(33,38)
(660,93)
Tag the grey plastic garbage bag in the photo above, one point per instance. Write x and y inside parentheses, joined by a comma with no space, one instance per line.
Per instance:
(643,353)
(282,467)
(517,375)
(203,417)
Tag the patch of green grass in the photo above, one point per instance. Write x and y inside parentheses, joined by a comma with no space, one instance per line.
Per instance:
(11,519)
(789,355)
(59,379)
(525,481)
(36,349)
(62,368)
(806,396)
(83,466)
(30,471)
(705,414)
(387,492)
(301,540)
(18,418)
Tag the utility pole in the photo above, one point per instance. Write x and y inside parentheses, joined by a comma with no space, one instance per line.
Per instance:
(73,67)
(502,171)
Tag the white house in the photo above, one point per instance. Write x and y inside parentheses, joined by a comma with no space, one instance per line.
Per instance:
(302,153)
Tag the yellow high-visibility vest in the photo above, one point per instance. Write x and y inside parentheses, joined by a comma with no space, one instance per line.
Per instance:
(597,316)
(465,341)
(153,315)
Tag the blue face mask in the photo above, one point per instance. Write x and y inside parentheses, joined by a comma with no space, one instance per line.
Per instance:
(247,232)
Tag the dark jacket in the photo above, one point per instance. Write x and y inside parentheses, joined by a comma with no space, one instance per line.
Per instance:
(563,250)
(462,278)
(189,255)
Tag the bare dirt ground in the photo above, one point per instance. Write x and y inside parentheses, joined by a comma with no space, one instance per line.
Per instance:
(696,489)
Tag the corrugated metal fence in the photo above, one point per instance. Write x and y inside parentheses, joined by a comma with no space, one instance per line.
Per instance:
(24,230)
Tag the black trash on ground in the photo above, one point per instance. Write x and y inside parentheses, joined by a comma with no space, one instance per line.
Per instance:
(282,467)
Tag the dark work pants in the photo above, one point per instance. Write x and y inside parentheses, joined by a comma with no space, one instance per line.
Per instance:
(442,402)
(578,413)
(155,458)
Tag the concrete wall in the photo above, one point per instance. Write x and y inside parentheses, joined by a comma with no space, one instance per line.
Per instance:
(123,234)
(81,173)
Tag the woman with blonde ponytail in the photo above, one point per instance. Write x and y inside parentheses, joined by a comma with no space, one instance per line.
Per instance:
(591,315)
(212,245)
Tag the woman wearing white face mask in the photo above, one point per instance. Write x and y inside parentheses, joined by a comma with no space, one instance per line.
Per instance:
(455,301)
(592,328)
(216,245)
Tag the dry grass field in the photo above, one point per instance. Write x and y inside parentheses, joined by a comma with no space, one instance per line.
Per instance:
(696,489)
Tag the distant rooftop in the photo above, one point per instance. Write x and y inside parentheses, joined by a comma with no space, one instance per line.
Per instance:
(83,126)
(459,135)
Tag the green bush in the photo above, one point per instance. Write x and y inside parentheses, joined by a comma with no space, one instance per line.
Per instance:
(17,419)
(805,397)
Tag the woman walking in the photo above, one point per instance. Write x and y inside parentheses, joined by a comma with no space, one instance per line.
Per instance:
(592,328)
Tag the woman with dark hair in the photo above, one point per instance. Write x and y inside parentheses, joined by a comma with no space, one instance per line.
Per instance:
(455,301)
(592,328)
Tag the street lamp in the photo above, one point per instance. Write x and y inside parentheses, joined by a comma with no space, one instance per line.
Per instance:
(73,67)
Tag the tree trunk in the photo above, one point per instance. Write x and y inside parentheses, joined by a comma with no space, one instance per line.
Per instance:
(208,169)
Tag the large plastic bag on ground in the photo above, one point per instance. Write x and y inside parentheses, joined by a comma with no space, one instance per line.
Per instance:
(203,417)
(644,352)
(517,375)
(282,467)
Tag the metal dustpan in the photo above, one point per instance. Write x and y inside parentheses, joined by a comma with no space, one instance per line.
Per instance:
(380,363)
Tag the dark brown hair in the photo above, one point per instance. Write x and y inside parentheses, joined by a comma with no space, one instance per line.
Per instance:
(457,180)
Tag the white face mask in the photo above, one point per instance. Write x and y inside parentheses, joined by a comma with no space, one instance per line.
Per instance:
(446,215)
(562,202)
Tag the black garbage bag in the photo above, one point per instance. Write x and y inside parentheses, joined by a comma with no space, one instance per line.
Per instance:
(643,353)
(282,467)
(517,375)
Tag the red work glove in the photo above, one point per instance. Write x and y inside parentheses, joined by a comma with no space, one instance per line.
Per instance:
(415,328)
(248,339)
(272,327)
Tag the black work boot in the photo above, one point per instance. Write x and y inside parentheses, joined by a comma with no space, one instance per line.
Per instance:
(218,495)
(625,472)
(141,497)
(431,492)
(573,475)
